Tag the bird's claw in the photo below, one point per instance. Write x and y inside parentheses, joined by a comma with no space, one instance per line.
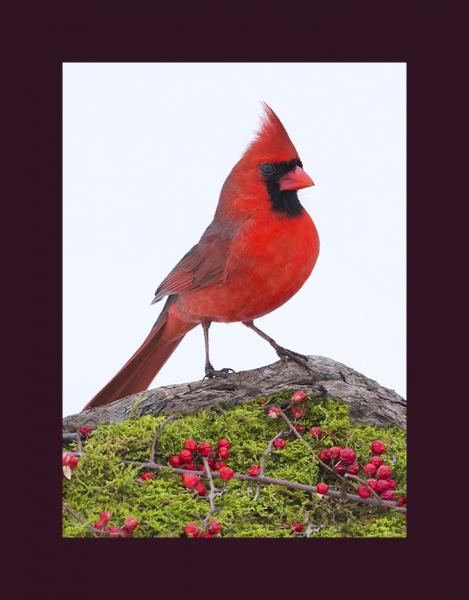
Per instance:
(300,359)
(211,372)
(284,353)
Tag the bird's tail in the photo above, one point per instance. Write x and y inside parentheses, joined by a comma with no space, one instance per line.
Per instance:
(139,371)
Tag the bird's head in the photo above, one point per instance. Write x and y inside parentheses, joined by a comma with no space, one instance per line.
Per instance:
(270,172)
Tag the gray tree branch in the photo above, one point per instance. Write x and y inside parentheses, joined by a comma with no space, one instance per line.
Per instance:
(369,402)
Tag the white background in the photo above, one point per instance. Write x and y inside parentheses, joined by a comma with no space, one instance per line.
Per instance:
(146,150)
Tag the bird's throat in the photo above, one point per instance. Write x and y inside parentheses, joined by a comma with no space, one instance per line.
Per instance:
(285,201)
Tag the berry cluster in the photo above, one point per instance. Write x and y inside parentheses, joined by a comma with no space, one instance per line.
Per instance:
(85,431)
(344,460)
(193,531)
(191,458)
(382,483)
(125,530)
(341,460)
(70,460)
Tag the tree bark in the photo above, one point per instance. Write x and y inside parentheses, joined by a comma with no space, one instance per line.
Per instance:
(369,402)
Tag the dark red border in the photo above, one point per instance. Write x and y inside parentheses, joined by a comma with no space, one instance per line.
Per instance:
(432,40)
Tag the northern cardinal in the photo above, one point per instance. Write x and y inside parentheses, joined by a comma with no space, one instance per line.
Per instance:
(257,252)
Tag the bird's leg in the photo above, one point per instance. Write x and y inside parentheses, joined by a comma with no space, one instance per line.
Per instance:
(282,352)
(209,370)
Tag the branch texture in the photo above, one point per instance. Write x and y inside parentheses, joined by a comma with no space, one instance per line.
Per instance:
(369,402)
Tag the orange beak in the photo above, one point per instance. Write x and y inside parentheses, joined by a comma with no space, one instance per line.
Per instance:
(295,180)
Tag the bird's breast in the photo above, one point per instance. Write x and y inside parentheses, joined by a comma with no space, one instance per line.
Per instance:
(270,258)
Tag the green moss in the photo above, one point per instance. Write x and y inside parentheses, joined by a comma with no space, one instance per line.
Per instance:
(163,506)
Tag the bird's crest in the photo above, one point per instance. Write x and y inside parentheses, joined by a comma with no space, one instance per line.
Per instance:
(271,142)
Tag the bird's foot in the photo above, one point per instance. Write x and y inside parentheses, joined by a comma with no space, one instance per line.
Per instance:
(285,353)
(300,359)
(210,372)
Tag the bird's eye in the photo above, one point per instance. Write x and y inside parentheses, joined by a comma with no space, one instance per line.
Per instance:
(268,169)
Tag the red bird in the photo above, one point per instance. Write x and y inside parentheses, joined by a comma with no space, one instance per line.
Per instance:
(257,252)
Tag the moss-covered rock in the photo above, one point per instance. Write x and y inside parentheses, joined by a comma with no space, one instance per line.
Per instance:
(102,482)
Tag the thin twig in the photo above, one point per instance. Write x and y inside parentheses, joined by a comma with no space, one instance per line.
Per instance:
(79,442)
(271,481)
(154,443)
(81,520)
(267,480)
(211,495)
(300,437)
(365,483)
(268,450)
(345,480)
(311,528)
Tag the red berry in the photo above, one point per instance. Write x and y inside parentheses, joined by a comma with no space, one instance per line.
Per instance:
(315,432)
(126,532)
(99,524)
(147,475)
(339,469)
(300,427)
(322,488)
(70,460)
(190,481)
(226,473)
(211,462)
(85,431)
(377,447)
(189,467)
(204,449)
(175,461)
(105,517)
(224,443)
(369,469)
(279,443)
(299,397)
(213,527)
(298,527)
(377,461)
(73,461)
(387,495)
(348,455)
(114,531)
(297,412)
(335,451)
(384,472)
(363,491)
(185,456)
(353,468)
(200,490)
(219,465)
(190,445)
(402,500)
(273,412)
(254,471)
(191,530)
(382,485)
(223,452)
(392,483)
(373,483)
(325,454)
(131,523)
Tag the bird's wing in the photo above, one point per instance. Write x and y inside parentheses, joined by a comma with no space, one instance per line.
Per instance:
(202,266)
